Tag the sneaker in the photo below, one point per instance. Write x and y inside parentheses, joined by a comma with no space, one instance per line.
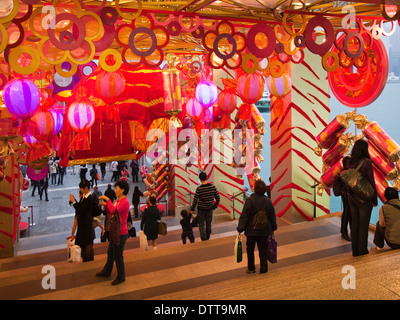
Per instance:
(250,271)
(375,249)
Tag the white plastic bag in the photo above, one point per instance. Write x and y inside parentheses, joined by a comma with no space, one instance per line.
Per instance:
(143,241)
(73,251)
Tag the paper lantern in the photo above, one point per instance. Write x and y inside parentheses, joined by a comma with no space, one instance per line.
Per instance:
(58,120)
(279,87)
(250,87)
(21,98)
(172,91)
(193,108)
(81,117)
(206,93)
(227,101)
(42,125)
(110,85)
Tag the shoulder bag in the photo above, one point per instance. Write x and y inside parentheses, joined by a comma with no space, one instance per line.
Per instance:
(114,228)
(357,183)
(260,220)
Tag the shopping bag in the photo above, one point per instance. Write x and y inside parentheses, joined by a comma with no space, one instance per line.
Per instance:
(272,249)
(162,228)
(143,241)
(238,249)
(73,251)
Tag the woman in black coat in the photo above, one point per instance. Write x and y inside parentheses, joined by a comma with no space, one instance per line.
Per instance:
(83,219)
(361,209)
(149,223)
(252,205)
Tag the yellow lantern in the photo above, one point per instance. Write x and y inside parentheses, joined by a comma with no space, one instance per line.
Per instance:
(172,91)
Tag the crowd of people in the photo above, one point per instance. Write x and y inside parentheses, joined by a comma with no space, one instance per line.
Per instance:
(356,214)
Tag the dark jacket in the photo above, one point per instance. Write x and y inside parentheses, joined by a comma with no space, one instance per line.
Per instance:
(367,171)
(149,223)
(252,205)
(84,211)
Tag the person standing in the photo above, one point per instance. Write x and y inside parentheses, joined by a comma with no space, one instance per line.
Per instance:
(253,204)
(204,199)
(135,171)
(149,223)
(340,189)
(82,172)
(136,201)
(361,209)
(115,252)
(53,171)
(103,170)
(93,175)
(83,220)
(114,169)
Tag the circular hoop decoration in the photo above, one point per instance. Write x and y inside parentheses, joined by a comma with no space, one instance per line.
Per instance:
(3,81)
(360,44)
(174,28)
(314,47)
(388,34)
(361,88)
(386,16)
(276,69)
(66,74)
(279,48)
(289,31)
(126,16)
(195,69)
(32,52)
(192,28)
(152,36)
(81,32)
(104,15)
(328,58)
(231,40)
(66,37)
(247,57)
(251,40)
(117,57)
(198,33)
(300,41)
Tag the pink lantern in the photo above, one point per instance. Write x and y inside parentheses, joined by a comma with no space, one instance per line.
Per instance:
(206,93)
(250,87)
(21,98)
(58,119)
(81,117)
(193,108)
(110,85)
(279,87)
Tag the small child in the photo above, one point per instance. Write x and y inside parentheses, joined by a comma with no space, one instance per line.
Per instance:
(187,230)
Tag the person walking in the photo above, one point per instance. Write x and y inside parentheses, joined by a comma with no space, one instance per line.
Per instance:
(115,252)
(135,171)
(340,189)
(388,225)
(103,170)
(204,199)
(83,220)
(93,175)
(253,204)
(187,227)
(149,223)
(82,172)
(136,201)
(44,185)
(114,169)
(361,209)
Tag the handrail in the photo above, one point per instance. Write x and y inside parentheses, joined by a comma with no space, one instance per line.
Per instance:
(241,192)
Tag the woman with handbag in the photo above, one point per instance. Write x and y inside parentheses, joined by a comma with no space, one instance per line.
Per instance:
(256,202)
(361,208)
(117,211)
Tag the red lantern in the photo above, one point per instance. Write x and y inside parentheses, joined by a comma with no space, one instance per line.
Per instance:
(227,100)
(42,125)
(250,87)
(110,85)
(81,116)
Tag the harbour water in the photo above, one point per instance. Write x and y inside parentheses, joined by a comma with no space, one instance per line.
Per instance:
(383,110)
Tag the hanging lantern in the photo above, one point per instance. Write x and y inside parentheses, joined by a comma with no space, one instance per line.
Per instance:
(58,119)
(172,91)
(227,100)
(21,98)
(250,87)
(206,93)
(110,85)
(42,125)
(193,108)
(81,117)
(279,87)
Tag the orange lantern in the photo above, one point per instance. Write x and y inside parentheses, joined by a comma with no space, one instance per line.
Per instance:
(250,87)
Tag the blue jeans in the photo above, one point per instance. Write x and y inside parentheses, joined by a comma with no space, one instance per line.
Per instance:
(115,253)
(205,218)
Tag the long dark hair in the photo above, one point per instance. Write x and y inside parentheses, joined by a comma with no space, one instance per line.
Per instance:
(360,151)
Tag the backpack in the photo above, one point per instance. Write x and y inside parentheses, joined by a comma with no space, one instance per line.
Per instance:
(260,220)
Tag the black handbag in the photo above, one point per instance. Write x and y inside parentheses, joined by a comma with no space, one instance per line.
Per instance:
(357,183)
(114,228)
